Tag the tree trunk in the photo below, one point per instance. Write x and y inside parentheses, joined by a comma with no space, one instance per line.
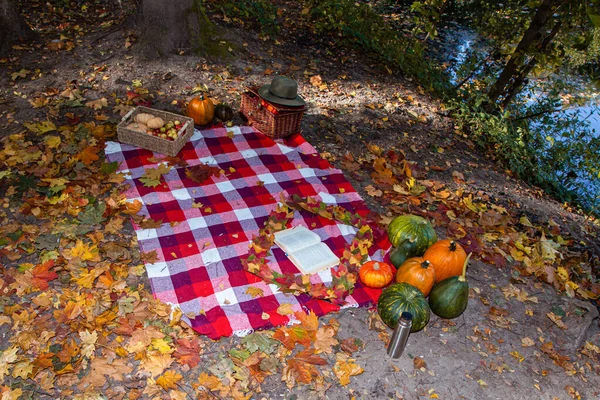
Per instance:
(531,37)
(12,26)
(515,86)
(168,26)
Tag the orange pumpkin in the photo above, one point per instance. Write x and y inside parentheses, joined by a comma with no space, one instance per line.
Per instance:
(376,275)
(447,258)
(201,110)
(418,272)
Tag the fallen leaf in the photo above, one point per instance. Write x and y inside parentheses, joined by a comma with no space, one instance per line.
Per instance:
(527,342)
(419,363)
(345,367)
(200,173)
(22,73)
(132,207)
(97,104)
(557,320)
(169,380)
(372,191)
(254,292)
(89,155)
(285,309)
(324,339)
(41,275)
(88,342)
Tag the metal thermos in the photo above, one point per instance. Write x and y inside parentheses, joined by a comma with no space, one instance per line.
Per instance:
(400,335)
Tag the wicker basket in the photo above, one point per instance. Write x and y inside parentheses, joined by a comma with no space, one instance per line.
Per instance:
(154,143)
(271,119)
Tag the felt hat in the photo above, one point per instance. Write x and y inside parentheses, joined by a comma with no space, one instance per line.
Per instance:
(282,91)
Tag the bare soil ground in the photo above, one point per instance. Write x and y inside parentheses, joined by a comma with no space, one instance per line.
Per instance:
(496,349)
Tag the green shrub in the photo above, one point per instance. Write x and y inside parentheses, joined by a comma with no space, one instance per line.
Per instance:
(503,139)
(359,25)
(262,13)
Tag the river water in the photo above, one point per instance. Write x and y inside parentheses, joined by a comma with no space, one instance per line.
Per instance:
(456,44)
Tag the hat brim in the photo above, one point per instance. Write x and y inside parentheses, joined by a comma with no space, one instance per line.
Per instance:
(263,91)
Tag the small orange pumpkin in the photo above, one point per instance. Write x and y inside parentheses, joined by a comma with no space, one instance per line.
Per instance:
(418,272)
(447,258)
(201,110)
(376,275)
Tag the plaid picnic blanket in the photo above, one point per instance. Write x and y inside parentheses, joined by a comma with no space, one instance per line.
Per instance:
(206,227)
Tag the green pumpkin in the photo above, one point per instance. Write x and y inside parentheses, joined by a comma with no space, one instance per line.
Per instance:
(411,235)
(223,112)
(400,297)
(402,253)
(448,298)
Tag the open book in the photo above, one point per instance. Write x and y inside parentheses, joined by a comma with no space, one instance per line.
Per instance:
(305,249)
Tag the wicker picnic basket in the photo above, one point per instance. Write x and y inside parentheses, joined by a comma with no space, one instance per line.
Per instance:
(271,119)
(154,143)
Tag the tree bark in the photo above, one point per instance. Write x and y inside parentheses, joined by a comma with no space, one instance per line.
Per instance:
(515,86)
(12,26)
(167,26)
(532,36)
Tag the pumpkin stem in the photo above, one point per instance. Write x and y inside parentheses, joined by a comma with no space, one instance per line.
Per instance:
(425,264)
(452,245)
(462,278)
(376,266)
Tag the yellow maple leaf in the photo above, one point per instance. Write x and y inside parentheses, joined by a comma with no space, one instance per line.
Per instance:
(155,364)
(254,292)
(7,357)
(156,173)
(22,369)
(373,148)
(40,127)
(86,278)
(562,273)
(546,250)
(88,342)
(9,394)
(142,338)
(52,141)
(162,346)
(345,367)
(121,352)
(169,380)
(209,382)
(82,251)
(310,322)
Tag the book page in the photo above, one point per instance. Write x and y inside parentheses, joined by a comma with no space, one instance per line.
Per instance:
(292,240)
(314,258)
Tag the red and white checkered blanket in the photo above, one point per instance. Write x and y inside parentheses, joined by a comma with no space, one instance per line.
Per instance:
(206,227)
